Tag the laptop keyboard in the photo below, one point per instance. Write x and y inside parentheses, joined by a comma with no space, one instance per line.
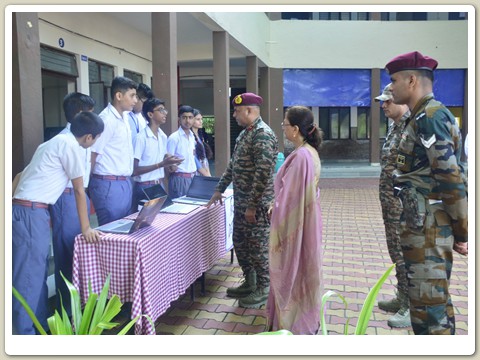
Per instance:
(124,227)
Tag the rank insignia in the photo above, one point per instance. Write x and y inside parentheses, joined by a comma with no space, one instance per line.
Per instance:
(429,142)
(400,159)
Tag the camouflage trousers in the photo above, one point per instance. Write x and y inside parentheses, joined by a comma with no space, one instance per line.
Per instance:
(392,210)
(250,242)
(428,258)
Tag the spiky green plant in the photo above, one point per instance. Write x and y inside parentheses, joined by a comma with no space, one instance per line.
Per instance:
(367,307)
(96,317)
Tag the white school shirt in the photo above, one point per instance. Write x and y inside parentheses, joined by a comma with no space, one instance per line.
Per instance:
(183,145)
(54,163)
(86,159)
(137,123)
(114,146)
(150,150)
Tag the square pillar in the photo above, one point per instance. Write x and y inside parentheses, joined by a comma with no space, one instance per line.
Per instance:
(164,65)
(221,100)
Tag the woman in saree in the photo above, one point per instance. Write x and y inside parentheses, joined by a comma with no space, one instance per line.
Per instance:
(296,231)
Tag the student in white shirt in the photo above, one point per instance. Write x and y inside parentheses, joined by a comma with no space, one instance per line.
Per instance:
(136,119)
(39,185)
(112,156)
(181,144)
(65,222)
(150,154)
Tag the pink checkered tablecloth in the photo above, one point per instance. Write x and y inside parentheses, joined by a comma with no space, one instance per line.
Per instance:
(155,265)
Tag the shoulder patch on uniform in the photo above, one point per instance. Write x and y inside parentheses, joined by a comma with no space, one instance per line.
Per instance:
(420,116)
(429,142)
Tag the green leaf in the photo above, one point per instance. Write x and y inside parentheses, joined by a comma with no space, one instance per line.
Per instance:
(325,298)
(29,311)
(74,302)
(87,314)
(369,302)
(97,315)
(111,310)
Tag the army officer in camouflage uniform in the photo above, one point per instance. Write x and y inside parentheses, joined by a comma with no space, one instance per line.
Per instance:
(432,187)
(251,171)
(392,208)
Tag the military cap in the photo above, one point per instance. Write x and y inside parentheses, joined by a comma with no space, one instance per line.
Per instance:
(247,99)
(411,61)
(386,94)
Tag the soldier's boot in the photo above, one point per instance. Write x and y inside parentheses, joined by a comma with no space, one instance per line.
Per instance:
(402,317)
(249,284)
(256,299)
(392,305)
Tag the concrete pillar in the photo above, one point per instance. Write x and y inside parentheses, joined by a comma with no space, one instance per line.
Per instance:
(27,108)
(164,65)
(252,74)
(271,90)
(375,119)
(221,100)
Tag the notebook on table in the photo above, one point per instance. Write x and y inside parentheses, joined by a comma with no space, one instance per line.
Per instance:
(200,191)
(144,218)
(168,207)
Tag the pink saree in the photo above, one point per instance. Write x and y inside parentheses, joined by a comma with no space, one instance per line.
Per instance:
(296,246)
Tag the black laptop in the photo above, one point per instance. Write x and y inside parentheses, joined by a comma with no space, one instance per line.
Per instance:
(144,218)
(200,191)
(169,207)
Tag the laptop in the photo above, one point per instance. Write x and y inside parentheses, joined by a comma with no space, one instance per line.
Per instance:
(144,218)
(168,207)
(200,191)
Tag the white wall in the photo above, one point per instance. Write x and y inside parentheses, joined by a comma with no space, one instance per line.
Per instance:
(365,44)
(101,38)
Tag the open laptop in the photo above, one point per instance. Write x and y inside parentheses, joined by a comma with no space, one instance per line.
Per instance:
(200,191)
(169,207)
(144,218)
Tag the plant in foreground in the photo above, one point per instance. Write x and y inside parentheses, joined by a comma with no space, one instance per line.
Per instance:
(96,316)
(365,313)
(367,307)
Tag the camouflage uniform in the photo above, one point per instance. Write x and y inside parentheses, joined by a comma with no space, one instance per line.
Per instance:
(251,171)
(434,198)
(391,205)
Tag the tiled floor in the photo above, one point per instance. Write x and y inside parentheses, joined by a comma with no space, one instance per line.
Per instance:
(355,257)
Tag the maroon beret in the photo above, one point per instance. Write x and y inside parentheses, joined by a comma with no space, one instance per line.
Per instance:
(411,61)
(247,99)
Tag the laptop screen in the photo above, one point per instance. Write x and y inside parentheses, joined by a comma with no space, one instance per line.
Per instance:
(202,187)
(157,191)
(154,191)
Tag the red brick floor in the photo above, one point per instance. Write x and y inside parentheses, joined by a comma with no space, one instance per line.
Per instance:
(355,257)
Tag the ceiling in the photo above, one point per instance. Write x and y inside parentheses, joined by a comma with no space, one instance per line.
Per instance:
(194,38)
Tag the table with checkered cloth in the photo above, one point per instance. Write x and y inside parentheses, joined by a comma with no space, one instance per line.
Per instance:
(155,265)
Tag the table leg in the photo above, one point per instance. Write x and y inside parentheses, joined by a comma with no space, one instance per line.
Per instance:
(203,284)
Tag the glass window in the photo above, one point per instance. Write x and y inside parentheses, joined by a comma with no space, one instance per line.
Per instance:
(363,123)
(58,61)
(344,125)
(138,78)
(335,122)
(383,125)
(296,16)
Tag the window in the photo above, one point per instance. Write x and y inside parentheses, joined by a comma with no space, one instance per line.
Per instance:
(363,123)
(384,122)
(335,122)
(138,78)
(58,61)
(296,16)
(100,77)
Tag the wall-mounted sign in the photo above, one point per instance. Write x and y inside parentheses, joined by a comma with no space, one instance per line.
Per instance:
(61,42)
(84,58)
